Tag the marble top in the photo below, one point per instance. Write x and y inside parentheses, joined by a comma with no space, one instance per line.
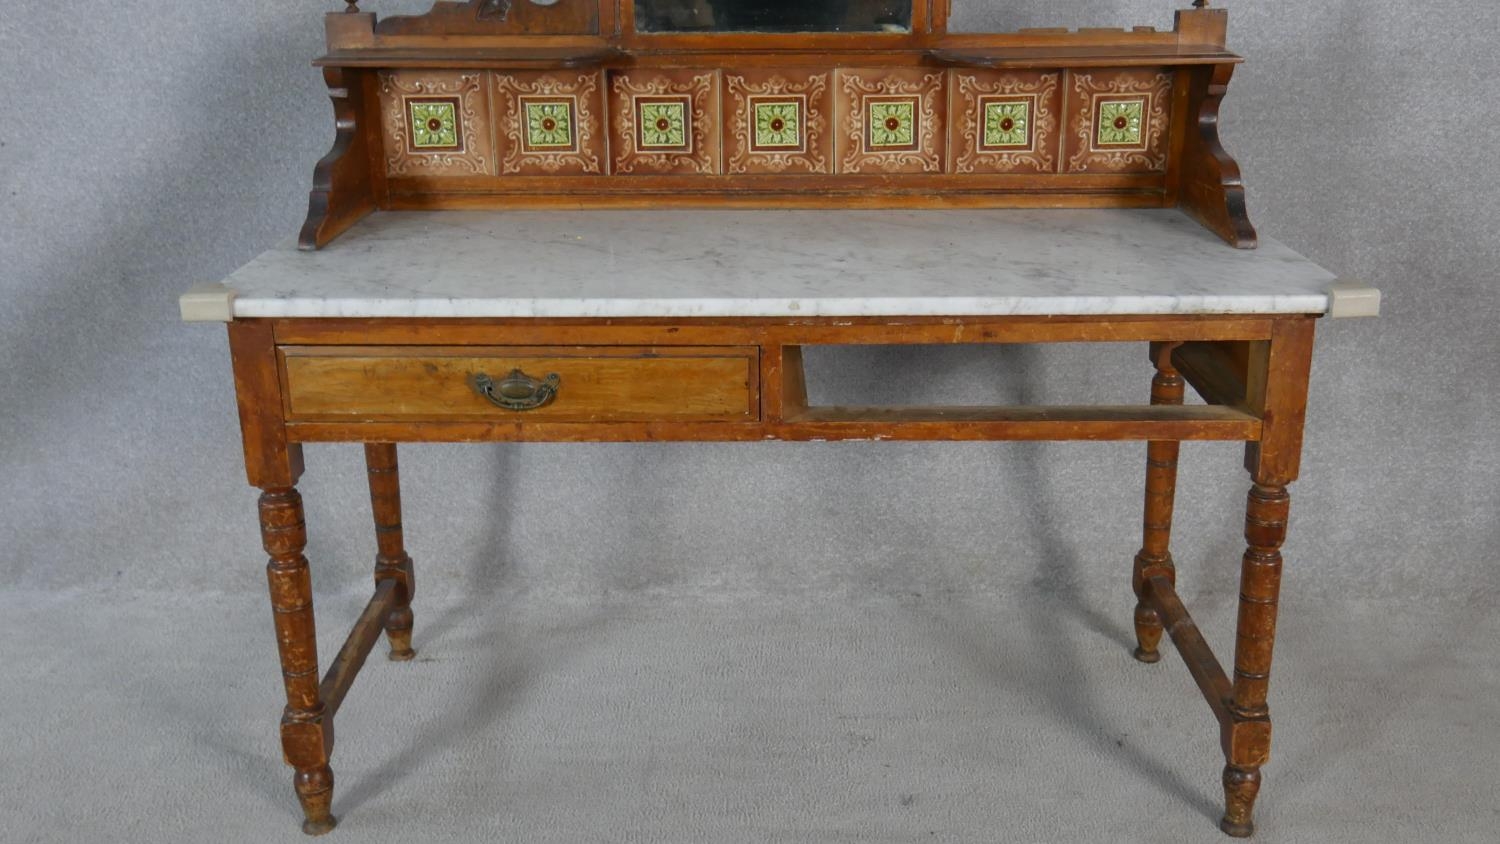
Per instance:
(778,263)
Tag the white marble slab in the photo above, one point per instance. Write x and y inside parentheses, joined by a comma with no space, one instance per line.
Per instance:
(778,263)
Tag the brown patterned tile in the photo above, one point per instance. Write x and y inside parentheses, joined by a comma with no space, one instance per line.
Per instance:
(551,123)
(778,121)
(1004,122)
(890,121)
(665,121)
(436,123)
(1117,121)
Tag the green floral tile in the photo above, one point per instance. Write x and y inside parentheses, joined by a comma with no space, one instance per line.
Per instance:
(892,123)
(549,125)
(1120,122)
(663,125)
(1007,124)
(778,124)
(434,124)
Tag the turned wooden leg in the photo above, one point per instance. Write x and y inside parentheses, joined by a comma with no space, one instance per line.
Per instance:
(391,562)
(1249,736)
(315,792)
(1154,559)
(1240,787)
(306,736)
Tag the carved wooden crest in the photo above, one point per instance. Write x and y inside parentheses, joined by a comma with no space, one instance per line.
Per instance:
(493,10)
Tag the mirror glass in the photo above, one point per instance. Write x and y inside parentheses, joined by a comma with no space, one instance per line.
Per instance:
(773,16)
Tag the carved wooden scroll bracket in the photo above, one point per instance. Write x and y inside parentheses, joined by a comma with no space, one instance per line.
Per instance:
(1211,190)
(343,182)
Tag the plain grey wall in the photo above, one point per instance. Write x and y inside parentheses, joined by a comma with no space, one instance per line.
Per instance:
(149,145)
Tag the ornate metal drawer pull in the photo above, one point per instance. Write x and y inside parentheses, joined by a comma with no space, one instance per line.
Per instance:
(517,391)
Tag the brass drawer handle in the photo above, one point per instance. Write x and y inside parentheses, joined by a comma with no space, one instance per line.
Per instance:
(517,391)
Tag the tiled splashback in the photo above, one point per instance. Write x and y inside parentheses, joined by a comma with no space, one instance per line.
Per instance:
(775,121)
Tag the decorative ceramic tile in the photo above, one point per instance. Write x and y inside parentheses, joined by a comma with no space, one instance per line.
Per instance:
(891,121)
(1004,122)
(777,122)
(436,123)
(1118,121)
(550,123)
(1007,123)
(433,123)
(664,122)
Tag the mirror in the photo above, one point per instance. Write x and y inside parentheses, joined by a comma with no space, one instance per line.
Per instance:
(773,16)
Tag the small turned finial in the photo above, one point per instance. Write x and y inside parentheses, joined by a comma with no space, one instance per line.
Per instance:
(353,6)
(1199,4)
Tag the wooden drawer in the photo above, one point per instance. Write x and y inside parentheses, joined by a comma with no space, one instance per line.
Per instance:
(594,383)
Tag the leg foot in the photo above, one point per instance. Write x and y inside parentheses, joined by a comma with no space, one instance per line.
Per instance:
(1148,632)
(392,561)
(322,827)
(398,631)
(1154,559)
(1241,785)
(315,792)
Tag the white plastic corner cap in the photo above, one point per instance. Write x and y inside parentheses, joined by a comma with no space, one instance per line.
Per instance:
(207,303)
(1352,300)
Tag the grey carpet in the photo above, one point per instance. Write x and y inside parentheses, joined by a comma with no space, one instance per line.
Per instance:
(659,720)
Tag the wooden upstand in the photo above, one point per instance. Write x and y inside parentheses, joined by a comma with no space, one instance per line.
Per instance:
(661,323)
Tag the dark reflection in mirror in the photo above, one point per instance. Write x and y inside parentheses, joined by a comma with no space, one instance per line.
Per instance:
(773,16)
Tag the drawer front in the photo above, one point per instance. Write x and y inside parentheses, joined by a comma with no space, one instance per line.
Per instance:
(594,384)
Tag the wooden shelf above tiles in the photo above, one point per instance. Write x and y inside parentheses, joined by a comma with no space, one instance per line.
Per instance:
(522,57)
(533,57)
(1145,55)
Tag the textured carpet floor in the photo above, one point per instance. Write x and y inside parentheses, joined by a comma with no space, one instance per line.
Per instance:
(152,718)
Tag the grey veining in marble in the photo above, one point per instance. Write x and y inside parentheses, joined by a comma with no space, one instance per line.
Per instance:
(777,263)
